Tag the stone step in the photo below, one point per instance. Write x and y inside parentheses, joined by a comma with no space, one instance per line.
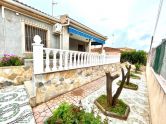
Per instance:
(29,88)
(14,106)
(4,83)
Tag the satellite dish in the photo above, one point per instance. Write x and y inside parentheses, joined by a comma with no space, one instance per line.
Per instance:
(57,28)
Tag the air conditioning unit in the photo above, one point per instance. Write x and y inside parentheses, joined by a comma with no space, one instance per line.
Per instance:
(57,28)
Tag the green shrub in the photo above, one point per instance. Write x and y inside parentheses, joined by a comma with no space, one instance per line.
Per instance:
(134,57)
(134,76)
(10,60)
(129,86)
(137,67)
(71,114)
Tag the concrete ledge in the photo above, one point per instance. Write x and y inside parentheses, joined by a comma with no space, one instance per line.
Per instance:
(157,96)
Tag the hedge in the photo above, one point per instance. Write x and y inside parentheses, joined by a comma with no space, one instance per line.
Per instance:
(134,57)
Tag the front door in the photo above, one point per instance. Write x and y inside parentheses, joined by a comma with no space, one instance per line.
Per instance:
(81,48)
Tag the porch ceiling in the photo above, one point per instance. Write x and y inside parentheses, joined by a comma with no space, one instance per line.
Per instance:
(77,33)
(77,37)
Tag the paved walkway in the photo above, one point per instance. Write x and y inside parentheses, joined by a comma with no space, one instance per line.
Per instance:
(45,110)
(137,100)
(14,106)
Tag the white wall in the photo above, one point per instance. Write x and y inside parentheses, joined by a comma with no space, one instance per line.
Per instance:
(73,44)
(157,96)
(12,33)
(65,38)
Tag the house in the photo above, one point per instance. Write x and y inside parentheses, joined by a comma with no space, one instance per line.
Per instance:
(61,49)
(126,49)
(107,50)
(20,23)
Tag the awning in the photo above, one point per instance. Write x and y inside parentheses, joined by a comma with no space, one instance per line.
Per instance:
(95,40)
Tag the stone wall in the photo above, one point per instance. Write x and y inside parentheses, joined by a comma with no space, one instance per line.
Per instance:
(14,75)
(157,96)
(53,84)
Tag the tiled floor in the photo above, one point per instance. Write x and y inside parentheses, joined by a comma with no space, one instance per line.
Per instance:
(14,106)
(137,100)
(45,110)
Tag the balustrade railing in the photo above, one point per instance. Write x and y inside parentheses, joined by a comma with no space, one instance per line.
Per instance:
(51,60)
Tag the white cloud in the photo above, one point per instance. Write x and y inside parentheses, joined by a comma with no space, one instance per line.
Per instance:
(129,19)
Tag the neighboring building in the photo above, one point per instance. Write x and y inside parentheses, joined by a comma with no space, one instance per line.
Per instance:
(110,50)
(107,50)
(126,49)
(20,23)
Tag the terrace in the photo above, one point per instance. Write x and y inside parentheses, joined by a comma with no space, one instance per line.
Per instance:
(65,81)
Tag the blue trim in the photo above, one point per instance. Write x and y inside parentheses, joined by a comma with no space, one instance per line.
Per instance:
(96,41)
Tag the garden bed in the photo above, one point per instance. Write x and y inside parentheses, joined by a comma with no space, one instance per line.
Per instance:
(136,72)
(71,114)
(131,86)
(120,111)
(134,76)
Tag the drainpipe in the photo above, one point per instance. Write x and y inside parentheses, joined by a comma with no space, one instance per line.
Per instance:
(61,37)
(4,27)
(89,46)
(61,34)
(102,48)
(3,12)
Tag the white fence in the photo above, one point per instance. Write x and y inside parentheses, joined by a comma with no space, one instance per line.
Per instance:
(51,60)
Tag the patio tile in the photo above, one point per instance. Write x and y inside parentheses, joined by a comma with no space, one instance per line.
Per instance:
(14,106)
(41,113)
(40,117)
(137,100)
(40,108)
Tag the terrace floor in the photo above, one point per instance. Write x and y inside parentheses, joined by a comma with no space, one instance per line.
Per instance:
(15,107)
(137,100)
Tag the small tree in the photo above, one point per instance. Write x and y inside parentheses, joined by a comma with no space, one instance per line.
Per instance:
(109,81)
(128,74)
(119,90)
(111,101)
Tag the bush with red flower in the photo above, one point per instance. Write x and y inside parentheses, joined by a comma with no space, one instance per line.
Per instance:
(11,60)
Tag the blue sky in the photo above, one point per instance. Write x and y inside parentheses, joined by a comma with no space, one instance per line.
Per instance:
(127,23)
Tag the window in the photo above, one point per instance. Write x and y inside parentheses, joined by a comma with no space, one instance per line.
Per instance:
(30,32)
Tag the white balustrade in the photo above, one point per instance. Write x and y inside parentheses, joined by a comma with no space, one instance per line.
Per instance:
(82,61)
(88,56)
(78,60)
(75,59)
(66,59)
(54,61)
(47,62)
(60,60)
(71,62)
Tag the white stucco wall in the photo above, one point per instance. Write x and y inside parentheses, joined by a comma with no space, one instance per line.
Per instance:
(65,38)
(12,33)
(73,44)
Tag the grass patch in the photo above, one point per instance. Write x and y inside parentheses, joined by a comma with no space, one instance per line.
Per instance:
(119,109)
(71,114)
(134,76)
(129,86)
(137,72)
